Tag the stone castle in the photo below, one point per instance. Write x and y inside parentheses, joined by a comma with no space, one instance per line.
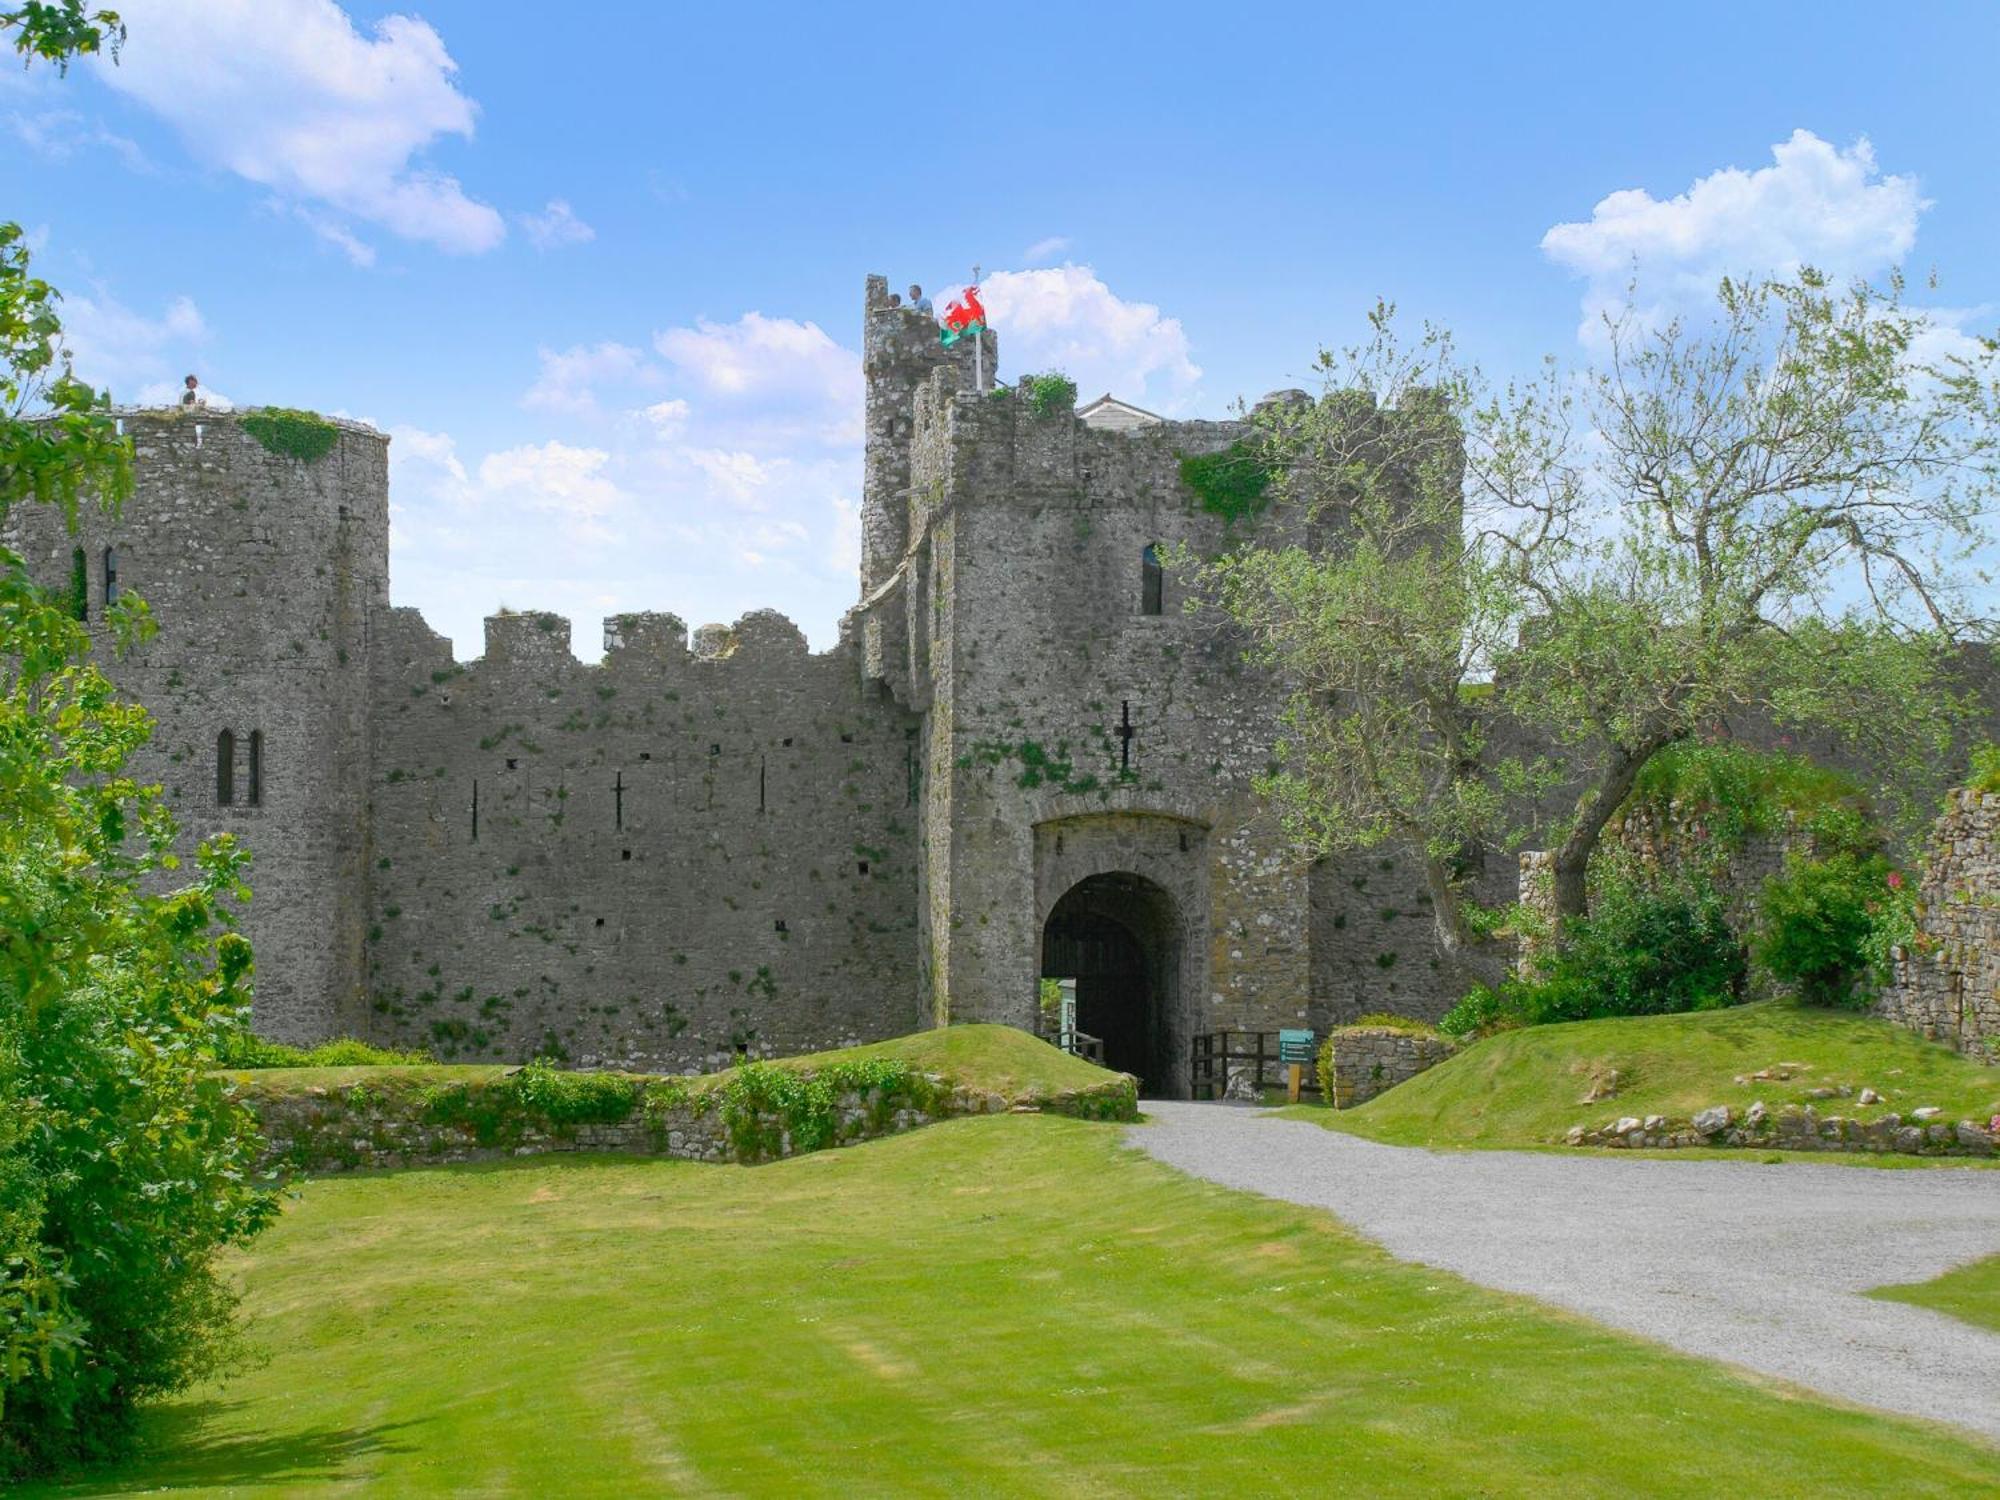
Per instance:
(1024,758)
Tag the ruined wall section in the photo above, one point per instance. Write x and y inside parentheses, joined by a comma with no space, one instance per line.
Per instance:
(678,856)
(1947,984)
(1039,657)
(264,572)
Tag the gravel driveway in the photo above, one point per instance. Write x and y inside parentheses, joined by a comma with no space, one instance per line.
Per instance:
(1754,1264)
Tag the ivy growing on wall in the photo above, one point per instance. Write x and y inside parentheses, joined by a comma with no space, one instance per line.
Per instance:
(1231,484)
(284,430)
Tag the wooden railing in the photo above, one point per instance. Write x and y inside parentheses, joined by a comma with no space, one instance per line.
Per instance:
(1213,1053)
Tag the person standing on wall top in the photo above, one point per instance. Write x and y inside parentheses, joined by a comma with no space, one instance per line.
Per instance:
(191,396)
(918,300)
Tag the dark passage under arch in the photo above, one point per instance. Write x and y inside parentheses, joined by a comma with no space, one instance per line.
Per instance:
(1119,937)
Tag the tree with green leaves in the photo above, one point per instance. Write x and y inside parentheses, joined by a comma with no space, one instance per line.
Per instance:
(1772,514)
(126,1161)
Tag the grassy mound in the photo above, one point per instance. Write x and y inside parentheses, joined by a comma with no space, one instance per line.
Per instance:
(1007,1306)
(1527,1087)
(997,1059)
(1969,1293)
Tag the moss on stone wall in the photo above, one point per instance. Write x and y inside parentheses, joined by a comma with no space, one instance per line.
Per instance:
(291,433)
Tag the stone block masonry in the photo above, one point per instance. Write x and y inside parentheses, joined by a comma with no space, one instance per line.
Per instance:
(1023,756)
(1358,1062)
(1947,983)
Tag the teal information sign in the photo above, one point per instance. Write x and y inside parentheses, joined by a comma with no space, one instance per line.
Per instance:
(1295,1046)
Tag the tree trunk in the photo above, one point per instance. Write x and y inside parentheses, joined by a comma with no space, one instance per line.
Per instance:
(1467,956)
(1571,865)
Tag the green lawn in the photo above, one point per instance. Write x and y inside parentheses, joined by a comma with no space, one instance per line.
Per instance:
(1001,1059)
(1013,1305)
(1970,1293)
(1525,1088)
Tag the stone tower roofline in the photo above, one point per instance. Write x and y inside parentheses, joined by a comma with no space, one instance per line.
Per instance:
(207,414)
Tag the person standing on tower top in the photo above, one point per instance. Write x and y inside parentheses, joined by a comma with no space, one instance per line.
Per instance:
(192,395)
(918,300)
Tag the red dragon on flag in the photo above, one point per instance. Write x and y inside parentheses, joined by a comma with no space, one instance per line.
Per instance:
(964,315)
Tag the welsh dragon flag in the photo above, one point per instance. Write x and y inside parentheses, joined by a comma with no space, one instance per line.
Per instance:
(963,315)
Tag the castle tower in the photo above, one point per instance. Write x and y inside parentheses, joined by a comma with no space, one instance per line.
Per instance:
(261,544)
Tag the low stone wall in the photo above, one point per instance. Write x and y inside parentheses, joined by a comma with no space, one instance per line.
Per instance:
(1793,1128)
(383,1122)
(1947,984)
(1358,1062)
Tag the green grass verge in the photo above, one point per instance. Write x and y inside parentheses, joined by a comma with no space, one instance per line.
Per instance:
(1970,1293)
(1005,1306)
(999,1059)
(1525,1088)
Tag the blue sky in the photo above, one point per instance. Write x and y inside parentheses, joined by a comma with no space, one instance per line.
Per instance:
(600,275)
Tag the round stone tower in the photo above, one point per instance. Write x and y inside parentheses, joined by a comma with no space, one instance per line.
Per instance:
(260,541)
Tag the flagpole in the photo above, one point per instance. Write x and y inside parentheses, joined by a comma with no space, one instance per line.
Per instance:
(978,348)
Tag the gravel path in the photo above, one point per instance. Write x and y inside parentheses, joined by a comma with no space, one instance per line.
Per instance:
(1754,1264)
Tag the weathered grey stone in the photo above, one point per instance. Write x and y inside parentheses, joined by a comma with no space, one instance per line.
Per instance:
(1713,1120)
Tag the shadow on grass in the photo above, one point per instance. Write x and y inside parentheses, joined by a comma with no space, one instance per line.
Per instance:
(174,1453)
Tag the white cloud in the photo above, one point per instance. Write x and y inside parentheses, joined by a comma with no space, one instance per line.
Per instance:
(1065,318)
(1047,249)
(847,534)
(55,135)
(740,477)
(358,251)
(112,345)
(569,378)
(668,418)
(552,477)
(555,226)
(1815,205)
(288,94)
(779,374)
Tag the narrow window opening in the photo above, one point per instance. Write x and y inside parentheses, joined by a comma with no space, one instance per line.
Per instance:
(256,797)
(1183,843)
(197,434)
(600,921)
(788,742)
(847,739)
(475,810)
(763,775)
(225,768)
(513,764)
(1058,843)
(862,867)
(618,803)
(625,854)
(110,576)
(1151,581)
(714,749)
(79,584)
(645,755)
(779,926)
(1125,735)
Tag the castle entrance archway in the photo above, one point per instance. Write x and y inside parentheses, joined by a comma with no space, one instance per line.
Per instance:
(1122,939)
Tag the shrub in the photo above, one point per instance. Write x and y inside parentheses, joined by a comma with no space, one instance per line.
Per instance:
(243,1049)
(284,430)
(1826,925)
(1050,393)
(1644,950)
(1985,773)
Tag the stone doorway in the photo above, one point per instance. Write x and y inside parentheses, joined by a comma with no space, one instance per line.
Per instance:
(1119,936)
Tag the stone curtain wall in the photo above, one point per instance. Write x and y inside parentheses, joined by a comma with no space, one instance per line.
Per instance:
(675,856)
(1947,985)
(1358,1062)
(266,575)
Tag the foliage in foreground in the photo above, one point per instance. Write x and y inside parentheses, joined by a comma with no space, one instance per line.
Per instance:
(125,1162)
